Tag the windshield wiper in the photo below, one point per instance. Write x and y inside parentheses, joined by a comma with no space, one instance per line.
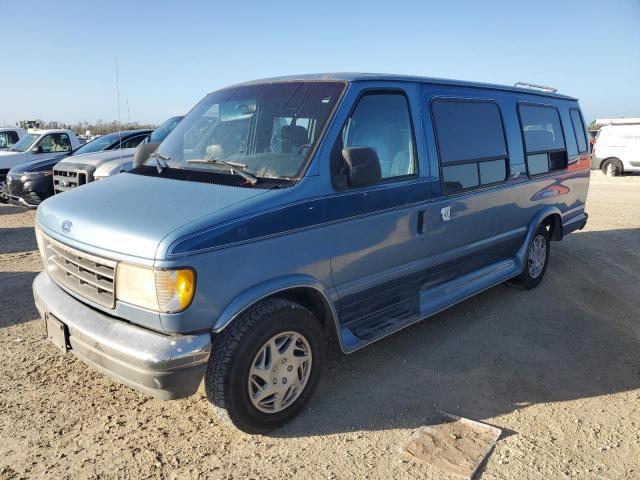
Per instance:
(161,161)
(238,168)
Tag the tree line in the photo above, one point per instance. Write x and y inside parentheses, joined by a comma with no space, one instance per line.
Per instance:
(97,128)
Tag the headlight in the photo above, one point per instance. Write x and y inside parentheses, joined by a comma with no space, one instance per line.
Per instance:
(39,173)
(166,291)
(39,242)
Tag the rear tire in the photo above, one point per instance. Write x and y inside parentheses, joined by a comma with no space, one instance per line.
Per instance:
(536,260)
(256,342)
(612,167)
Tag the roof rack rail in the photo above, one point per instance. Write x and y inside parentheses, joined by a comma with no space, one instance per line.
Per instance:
(533,86)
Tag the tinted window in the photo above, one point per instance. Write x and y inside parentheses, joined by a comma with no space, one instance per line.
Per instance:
(133,141)
(542,129)
(459,177)
(98,144)
(4,141)
(160,133)
(468,130)
(538,164)
(578,129)
(380,121)
(543,139)
(471,143)
(493,171)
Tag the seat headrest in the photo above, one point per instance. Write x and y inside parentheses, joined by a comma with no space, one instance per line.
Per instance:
(294,136)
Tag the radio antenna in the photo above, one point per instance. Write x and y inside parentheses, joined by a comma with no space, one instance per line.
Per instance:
(119,122)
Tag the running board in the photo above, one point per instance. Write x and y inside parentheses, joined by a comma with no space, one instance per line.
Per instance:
(431,301)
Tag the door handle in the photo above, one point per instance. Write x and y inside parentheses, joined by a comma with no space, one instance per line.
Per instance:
(446,213)
(421,222)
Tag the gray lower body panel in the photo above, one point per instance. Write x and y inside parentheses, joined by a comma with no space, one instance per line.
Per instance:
(163,366)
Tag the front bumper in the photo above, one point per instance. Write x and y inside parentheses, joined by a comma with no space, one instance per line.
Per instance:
(163,366)
(30,192)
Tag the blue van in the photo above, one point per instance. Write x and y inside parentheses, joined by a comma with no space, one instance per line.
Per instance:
(283,212)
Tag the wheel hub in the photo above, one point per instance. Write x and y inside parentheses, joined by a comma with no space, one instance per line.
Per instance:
(279,372)
(537,256)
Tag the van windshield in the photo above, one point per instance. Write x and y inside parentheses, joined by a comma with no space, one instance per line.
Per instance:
(268,130)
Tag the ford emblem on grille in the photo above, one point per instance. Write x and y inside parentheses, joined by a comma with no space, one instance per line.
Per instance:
(67,226)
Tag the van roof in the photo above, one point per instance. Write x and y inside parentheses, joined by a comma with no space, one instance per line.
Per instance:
(360,77)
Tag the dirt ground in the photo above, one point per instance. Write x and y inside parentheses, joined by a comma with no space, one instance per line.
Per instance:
(557,368)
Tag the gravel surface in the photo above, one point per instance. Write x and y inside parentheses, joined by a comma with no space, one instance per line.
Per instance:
(557,368)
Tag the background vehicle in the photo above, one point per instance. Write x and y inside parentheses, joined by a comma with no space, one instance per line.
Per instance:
(9,136)
(36,145)
(75,171)
(280,210)
(617,149)
(30,183)
(150,145)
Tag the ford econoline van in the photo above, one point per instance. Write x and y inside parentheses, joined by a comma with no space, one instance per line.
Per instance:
(286,211)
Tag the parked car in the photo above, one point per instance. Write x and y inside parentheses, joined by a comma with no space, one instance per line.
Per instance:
(76,171)
(617,149)
(9,136)
(36,145)
(278,211)
(30,183)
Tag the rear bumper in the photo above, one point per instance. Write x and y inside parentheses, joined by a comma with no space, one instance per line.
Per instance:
(163,366)
(576,223)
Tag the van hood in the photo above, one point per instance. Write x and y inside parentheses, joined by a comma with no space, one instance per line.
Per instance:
(98,158)
(128,215)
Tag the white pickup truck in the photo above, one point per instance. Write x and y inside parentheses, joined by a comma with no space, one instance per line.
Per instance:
(35,145)
(9,136)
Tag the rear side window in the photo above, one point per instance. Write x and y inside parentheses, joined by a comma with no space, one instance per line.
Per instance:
(471,143)
(543,139)
(578,129)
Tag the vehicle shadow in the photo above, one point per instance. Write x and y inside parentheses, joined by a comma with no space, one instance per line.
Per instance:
(17,240)
(575,336)
(16,298)
(6,209)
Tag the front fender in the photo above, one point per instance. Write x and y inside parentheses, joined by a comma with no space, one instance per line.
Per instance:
(258,292)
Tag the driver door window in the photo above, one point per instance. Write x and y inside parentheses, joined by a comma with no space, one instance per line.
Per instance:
(55,142)
(382,122)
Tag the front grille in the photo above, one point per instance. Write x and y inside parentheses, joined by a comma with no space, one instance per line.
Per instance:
(64,180)
(87,275)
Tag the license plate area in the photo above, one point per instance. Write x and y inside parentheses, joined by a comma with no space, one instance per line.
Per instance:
(57,333)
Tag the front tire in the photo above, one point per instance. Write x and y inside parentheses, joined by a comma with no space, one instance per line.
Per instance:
(265,366)
(537,259)
(4,194)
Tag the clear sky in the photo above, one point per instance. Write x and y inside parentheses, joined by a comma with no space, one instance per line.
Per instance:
(59,57)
